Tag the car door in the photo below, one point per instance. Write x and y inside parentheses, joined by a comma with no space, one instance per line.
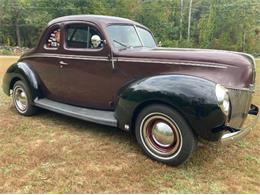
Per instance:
(85,71)
(45,61)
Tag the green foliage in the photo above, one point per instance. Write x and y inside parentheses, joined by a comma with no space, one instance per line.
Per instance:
(6,52)
(220,24)
(207,25)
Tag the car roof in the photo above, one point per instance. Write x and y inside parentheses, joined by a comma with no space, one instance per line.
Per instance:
(99,19)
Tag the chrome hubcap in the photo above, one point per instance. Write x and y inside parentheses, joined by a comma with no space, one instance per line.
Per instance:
(161,135)
(20,99)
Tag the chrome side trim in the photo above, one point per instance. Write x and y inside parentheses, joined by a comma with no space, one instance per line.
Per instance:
(124,59)
(171,62)
(63,56)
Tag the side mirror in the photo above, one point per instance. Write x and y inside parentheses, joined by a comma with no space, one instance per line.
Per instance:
(96,41)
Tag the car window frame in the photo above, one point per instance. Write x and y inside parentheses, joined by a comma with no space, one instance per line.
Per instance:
(66,48)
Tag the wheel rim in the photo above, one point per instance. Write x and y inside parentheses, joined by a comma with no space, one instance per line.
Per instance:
(20,99)
(161,135)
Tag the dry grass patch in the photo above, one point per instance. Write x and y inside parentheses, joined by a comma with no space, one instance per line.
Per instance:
(52,153)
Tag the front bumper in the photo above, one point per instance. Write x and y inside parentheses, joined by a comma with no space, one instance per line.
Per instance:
(234,133)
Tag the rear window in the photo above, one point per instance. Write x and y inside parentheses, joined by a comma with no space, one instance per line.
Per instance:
(53,39)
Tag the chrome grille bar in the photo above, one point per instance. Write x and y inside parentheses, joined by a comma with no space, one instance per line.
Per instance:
(240,104)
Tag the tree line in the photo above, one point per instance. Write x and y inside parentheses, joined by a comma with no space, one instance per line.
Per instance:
(219,24)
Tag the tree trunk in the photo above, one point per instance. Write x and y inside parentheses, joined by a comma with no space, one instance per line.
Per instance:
(244,42)
(189,20)
(181,19)
(18,36)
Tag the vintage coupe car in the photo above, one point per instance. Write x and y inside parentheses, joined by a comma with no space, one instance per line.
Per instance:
(109,70)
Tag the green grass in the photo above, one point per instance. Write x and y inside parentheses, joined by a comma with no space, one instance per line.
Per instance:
(52,153)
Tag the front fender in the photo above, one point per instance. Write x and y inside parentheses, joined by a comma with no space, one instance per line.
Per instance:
(194,98)
(21,71)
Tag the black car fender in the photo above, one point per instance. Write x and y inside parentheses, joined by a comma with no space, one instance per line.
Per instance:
(194,98)
(21,71)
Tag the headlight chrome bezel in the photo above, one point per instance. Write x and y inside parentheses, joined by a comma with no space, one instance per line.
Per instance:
(223,99)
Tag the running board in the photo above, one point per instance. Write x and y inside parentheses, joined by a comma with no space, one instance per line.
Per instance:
(96,116)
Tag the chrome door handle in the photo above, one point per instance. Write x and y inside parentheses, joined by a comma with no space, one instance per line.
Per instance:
(63,63)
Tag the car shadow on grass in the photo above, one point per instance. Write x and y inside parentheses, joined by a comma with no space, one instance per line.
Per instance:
(81,126)
(206,153)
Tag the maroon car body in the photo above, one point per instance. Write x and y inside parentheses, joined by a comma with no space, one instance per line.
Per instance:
(214,65)
(123,80)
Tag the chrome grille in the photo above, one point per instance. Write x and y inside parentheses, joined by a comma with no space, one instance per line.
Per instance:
(240,103)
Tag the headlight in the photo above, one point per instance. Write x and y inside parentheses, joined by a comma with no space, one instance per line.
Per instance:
(223,99)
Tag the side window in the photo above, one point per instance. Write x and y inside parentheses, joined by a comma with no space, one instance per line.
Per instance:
(92,43)
(53,39)
(79,36)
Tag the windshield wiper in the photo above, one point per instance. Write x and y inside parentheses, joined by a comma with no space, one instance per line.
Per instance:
(122,44)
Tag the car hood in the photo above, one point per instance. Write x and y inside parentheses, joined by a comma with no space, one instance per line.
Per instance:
(232,69)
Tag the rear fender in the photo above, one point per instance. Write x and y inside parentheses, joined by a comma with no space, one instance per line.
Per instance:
(22,71)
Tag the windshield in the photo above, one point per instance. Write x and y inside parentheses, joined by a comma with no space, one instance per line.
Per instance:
(125,36)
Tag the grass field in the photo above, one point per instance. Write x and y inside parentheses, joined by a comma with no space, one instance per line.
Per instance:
(52,153)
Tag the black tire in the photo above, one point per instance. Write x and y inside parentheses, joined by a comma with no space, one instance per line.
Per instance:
(24,105)
(164,135)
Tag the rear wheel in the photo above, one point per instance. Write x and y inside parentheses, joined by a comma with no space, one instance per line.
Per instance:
(22,99)
(164,135)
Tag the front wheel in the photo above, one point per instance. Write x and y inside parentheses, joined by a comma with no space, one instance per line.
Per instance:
(164,135)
